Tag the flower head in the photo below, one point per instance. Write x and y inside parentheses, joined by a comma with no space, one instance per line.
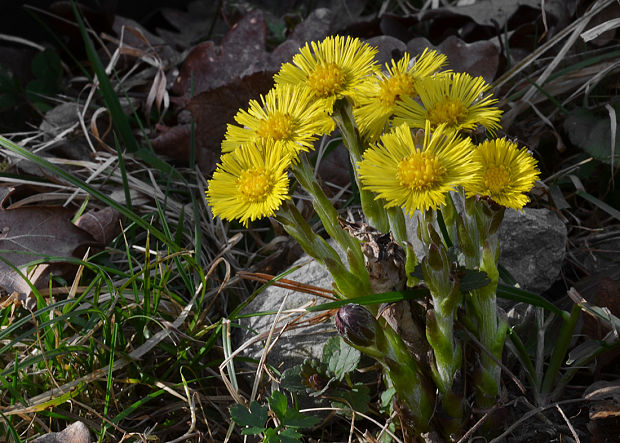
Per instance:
(332,69)
(417,177)
(458,100)
(378,96)
(250,183)
(506,173)
(288,114)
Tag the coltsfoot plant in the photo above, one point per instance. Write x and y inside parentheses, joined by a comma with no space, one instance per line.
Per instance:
(408,130)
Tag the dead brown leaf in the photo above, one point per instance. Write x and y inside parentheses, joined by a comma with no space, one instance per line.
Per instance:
(479,58)
(173,142)
(498,12)
(241,53)
(213,110)
(32,233)
(102,224)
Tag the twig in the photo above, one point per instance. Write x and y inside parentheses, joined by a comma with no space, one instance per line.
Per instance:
(570,426)
(486,415)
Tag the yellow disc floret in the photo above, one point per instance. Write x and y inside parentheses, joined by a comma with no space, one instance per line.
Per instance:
(451,112)
(330,69)
(496,178)
(459,101)
(378,96)
(278,126)
(254,185)
(417,174)
(327,79)
(392,88)
(287,113)
(420,171)
(250,182)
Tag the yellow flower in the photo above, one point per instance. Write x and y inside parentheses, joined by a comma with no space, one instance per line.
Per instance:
(250,183)
(458,100)
(378,96)
(287,113)
(417,177)
(332,69)
(506,173)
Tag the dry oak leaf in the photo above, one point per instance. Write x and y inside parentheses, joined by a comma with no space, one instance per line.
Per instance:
(33,233)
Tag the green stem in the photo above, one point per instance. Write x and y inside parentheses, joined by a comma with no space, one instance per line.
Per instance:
(329,218)
(371,206)
(410,385)
(379,341)
(348,284)
(398,228)
(491,332)
(561,347)
(523,356)
(447,349)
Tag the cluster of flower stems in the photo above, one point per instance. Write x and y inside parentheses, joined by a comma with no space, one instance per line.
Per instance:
(407,130)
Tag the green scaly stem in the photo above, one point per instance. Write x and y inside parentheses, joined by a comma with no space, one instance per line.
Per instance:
(372,207)
(349,284)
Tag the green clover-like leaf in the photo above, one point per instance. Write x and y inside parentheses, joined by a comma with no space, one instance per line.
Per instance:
(254,418)
(339,357)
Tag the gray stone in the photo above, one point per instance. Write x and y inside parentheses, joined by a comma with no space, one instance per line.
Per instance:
(295,344)
(533,247)
(74,433)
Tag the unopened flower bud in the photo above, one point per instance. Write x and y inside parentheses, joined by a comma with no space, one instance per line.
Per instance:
(356,325)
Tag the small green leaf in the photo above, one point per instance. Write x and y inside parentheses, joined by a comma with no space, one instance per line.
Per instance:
(295,419)
(339,357)
(471,280)
(290,436)
(271,436)
(314,376)
(358,398)
(46,65)
(291,380)
(289,416)
(386,397)
(255,417)
(277,403)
